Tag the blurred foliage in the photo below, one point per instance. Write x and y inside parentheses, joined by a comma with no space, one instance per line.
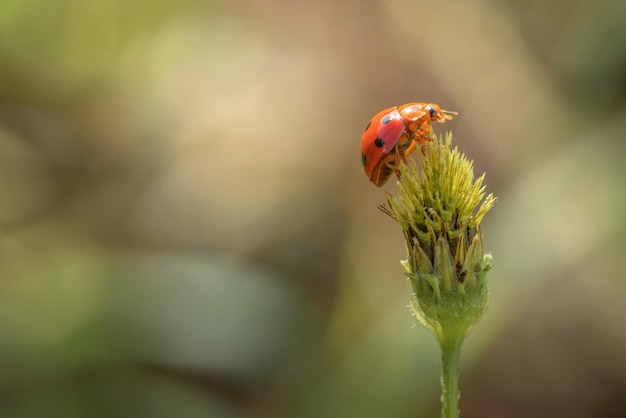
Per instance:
(187,231)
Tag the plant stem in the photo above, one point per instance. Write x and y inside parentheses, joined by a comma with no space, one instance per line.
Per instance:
(450,358)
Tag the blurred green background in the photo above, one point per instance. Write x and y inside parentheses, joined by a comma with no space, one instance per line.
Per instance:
(187,230)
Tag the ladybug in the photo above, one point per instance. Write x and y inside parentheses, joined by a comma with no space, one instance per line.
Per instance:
(392,135)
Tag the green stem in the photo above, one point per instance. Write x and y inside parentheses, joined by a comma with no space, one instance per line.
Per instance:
(450,358)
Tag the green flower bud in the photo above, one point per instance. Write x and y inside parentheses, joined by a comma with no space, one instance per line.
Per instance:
(440,207)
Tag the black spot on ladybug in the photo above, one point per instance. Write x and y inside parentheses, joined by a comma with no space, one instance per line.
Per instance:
(363,158)
(386,119)
(379,142)
(368,126)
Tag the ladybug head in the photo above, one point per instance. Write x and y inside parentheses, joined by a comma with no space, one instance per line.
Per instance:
(437,114)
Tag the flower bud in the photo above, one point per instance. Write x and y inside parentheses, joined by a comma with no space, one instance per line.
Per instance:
(440,207)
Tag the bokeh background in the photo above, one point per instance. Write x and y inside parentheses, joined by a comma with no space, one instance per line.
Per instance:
(186,230)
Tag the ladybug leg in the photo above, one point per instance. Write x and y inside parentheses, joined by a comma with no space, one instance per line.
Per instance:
(393,166)
(425,132)
(394,163)
(424,135)
(405,147)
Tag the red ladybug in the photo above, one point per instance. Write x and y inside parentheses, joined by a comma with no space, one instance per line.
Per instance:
(393,134)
